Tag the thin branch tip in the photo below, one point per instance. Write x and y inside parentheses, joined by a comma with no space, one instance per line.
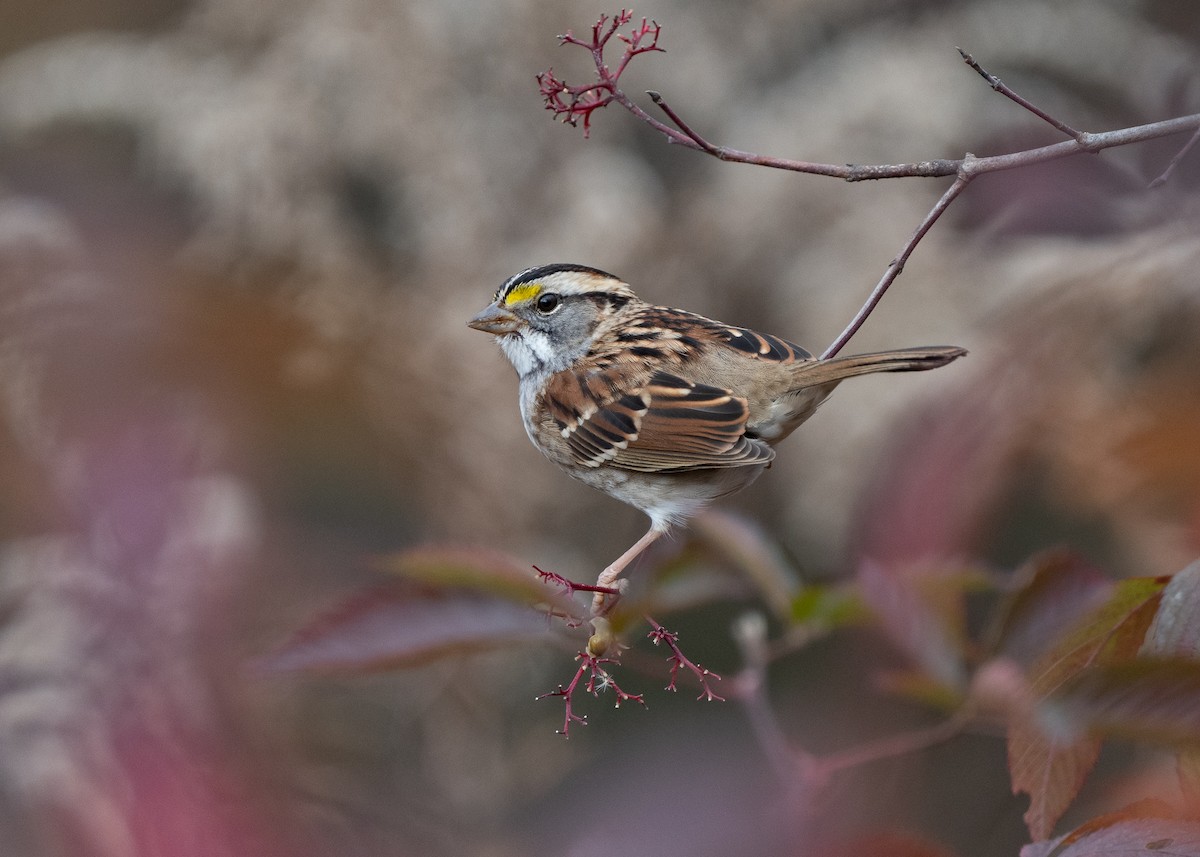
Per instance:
(1179,156)
(576,105)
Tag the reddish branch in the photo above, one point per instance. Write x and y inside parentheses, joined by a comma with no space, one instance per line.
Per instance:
(598,679)
(592,660)
(570,586)
(571,103)
(678,661)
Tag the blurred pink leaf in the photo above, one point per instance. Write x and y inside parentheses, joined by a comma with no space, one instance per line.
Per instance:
(1052,771)
(1055,590)
(390,628)
(922,615)
(1146,829)
(453,601)
(1148,699)
(937,491)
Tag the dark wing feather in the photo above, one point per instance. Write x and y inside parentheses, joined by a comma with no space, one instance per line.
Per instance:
(665,423)
(764,346)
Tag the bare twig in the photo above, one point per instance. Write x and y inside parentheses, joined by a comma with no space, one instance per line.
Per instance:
(708,147)
(750,689)
(796,766)
(1179,156)
(572,103)
(897,264)
(1005,90)
(892,746)
(689,137)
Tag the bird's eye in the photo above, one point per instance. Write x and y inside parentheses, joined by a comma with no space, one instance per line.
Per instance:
(547,303)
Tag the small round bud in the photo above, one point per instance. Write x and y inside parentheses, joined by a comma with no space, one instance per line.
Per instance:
(600,641)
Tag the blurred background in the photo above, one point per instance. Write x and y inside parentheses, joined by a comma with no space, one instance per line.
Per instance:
(239,243)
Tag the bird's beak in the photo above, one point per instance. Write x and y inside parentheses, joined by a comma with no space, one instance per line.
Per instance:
(494,319)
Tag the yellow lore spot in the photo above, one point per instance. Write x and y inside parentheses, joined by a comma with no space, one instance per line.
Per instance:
(522,293)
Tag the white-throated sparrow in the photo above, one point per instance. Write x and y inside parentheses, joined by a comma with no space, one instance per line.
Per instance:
(660,408)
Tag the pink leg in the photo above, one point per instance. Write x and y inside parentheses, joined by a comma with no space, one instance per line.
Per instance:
(609,576)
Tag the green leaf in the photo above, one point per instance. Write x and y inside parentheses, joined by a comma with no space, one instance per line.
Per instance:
(919,687)
(827,607)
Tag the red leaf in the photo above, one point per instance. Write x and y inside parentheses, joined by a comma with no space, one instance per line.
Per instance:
(1057,589)
(1051,774)
(1052,771)
(1111,633)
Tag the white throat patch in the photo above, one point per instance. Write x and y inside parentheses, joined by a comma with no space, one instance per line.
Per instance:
(528,351)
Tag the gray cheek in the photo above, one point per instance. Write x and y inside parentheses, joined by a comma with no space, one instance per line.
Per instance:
(571,334)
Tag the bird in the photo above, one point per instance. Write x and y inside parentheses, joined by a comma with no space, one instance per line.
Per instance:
(660,408)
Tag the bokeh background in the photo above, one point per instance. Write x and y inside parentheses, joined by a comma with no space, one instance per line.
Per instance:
(238,246)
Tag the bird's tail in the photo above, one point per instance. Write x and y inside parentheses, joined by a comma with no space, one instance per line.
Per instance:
(819,373)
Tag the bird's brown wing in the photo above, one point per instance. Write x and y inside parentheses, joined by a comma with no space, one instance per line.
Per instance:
(663,423)
(664,333)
